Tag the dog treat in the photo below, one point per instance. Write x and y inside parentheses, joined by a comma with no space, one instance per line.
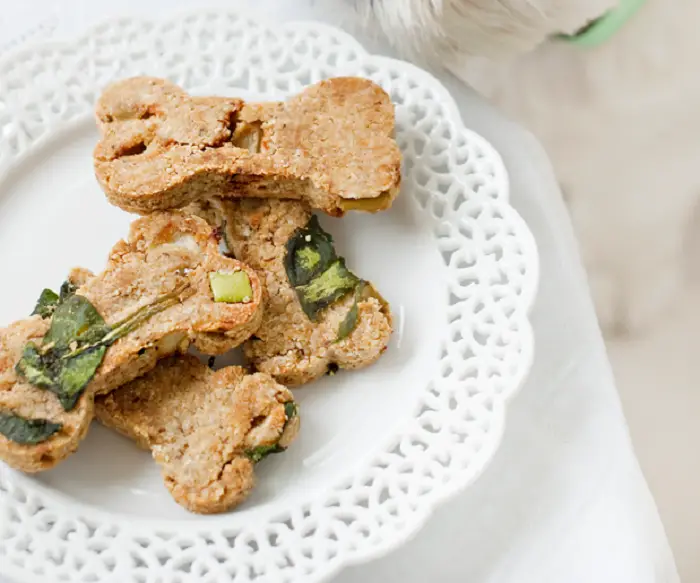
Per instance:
(206,429)
(331,145)
(154,298)
(318,316)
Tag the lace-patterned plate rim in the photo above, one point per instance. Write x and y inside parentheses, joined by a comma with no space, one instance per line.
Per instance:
(413,516)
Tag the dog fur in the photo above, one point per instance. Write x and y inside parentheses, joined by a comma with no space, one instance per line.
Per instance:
(620,122)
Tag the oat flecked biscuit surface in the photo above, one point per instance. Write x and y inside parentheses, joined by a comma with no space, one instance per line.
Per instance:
(205,429)
(288,345)
(331,145)
(167,253)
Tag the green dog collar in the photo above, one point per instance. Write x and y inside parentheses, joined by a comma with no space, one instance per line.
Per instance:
(600,30)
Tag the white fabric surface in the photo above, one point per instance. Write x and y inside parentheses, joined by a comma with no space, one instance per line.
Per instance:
(564,500)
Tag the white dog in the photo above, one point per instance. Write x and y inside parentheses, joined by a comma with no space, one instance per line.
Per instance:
(621,122)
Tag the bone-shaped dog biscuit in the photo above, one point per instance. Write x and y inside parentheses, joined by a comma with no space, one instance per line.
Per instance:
(206,429)
(289,345)
(331,145)
(154,298)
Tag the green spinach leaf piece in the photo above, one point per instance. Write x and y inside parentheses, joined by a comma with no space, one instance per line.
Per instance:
(329,286)
(309,253)
(26,431)
(49,299)
(74,347)
(46,304)
(290,410)
(76,320)
(319,277)
(68,288)
(350,321)
(259,453)
(70,353)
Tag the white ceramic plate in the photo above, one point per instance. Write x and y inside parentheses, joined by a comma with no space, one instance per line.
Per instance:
(380,447)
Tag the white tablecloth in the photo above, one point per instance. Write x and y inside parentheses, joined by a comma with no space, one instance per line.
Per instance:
(564,500)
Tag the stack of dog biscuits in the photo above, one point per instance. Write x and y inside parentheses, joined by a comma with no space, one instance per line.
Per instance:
(228,253)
